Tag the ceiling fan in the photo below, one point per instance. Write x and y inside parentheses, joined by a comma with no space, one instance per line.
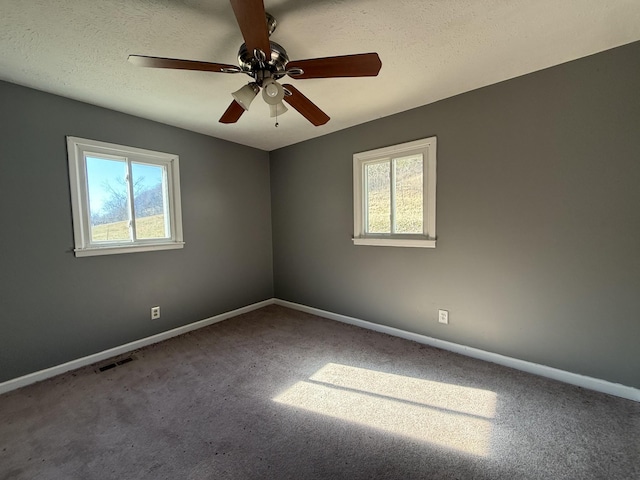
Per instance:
(267,62)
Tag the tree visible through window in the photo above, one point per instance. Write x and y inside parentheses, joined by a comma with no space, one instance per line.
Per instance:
(110,200)
(123,198)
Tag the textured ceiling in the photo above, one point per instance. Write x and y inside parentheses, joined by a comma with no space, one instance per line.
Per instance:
(429,50)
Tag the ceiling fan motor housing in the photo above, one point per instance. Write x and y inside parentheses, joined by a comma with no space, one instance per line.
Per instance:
(251,65)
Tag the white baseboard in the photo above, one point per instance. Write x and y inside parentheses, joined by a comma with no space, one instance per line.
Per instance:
(590,383)
(128,347)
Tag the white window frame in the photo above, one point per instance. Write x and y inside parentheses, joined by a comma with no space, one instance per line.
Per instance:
(426,147)
(77,151)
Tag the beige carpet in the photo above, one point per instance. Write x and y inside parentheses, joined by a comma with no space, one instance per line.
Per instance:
(279,394)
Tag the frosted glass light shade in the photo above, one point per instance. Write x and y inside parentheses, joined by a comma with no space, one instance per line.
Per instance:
(246,94)
(277,109)
(272,92)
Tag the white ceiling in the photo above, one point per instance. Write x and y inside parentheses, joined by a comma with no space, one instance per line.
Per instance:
(429,50)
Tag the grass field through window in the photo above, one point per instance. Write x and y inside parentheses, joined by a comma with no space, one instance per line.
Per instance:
(408,199)
(146,228)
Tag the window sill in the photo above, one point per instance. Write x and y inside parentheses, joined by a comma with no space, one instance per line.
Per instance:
(395,242)
(115,249)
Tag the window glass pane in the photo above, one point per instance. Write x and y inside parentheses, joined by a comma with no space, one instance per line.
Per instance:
(378,197)
(150,201)
(408,194)
(108,199)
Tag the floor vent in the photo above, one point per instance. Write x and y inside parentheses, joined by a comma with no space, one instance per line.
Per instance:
(115,364)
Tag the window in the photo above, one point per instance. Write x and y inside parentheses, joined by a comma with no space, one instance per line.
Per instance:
(123,199)
(394,195)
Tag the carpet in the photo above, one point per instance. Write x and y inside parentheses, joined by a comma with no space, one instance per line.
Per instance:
(281,394)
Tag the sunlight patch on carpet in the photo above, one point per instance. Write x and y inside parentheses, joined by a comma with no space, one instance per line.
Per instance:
(445,414)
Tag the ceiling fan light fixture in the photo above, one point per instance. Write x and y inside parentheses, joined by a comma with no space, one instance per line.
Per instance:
(246,94)
(277,109)
(272,92)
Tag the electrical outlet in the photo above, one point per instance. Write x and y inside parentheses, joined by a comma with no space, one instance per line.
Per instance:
(443,316)
(155,313)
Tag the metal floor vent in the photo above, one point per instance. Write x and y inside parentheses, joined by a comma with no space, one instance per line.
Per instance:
(115,364)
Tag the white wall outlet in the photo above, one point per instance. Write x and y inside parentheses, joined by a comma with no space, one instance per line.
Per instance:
(443,316)
(155,313)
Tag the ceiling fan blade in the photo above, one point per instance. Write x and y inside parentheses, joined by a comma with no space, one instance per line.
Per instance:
(252,21)
(232,114)
(358,65)
(306,107)
(159,62)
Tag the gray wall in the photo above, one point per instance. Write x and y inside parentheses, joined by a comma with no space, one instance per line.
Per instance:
(538,225)
(538,251)
(55,307)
